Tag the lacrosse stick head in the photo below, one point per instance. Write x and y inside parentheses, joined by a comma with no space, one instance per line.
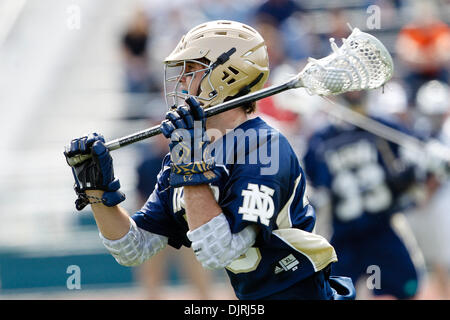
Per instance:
(362,62)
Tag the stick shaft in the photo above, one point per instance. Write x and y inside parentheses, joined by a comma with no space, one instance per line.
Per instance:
(222,107)
(400,138)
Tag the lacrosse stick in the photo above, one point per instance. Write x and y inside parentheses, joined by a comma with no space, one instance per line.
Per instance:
(361,63)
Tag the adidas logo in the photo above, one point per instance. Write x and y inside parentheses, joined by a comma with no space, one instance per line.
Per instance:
(286,264)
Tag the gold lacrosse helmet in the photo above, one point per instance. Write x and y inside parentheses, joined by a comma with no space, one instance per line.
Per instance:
(237,63)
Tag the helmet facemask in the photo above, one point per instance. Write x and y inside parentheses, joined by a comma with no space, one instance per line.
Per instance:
(176,92)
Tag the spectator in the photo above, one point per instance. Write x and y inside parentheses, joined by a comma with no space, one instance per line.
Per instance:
(277,10)
(134,43)
(390,11)
(274,43)
(298,38)
(338,29)
(227,9)
(287,40)
(423,46)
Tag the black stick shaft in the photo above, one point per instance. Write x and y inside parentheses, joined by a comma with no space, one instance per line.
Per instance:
(222,107)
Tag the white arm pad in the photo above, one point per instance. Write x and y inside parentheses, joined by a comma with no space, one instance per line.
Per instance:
(136,246)
(215,246)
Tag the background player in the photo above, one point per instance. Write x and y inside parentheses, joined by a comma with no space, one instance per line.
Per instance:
(431,120)
(366,183)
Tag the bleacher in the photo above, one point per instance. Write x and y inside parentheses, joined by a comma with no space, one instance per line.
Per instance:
(57,83)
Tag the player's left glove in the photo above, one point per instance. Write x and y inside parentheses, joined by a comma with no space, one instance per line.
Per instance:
(96,173)
(192,163)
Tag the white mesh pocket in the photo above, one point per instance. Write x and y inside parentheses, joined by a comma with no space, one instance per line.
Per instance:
(362,62)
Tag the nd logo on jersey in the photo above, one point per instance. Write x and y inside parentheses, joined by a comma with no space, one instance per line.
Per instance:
(257,202)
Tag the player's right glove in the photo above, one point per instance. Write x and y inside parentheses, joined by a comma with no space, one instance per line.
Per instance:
(96,173)
(192,163)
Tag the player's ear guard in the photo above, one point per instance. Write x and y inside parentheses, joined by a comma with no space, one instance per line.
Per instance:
(343,288)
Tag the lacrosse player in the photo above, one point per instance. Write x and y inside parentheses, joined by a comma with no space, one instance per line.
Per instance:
(238,201)
(366,182)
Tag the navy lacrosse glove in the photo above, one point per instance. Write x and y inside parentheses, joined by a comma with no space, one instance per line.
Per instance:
(191,162)
(96,173)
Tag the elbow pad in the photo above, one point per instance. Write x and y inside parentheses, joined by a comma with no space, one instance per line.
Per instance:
(136,246)
(215,246)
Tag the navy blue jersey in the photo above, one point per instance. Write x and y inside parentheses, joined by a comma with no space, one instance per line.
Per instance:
(364,176)
(261,183)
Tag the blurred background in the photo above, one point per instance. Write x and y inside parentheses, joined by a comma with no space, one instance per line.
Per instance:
(68,68)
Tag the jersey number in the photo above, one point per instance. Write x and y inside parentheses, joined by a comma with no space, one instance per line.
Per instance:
(362,190)
(247,262)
